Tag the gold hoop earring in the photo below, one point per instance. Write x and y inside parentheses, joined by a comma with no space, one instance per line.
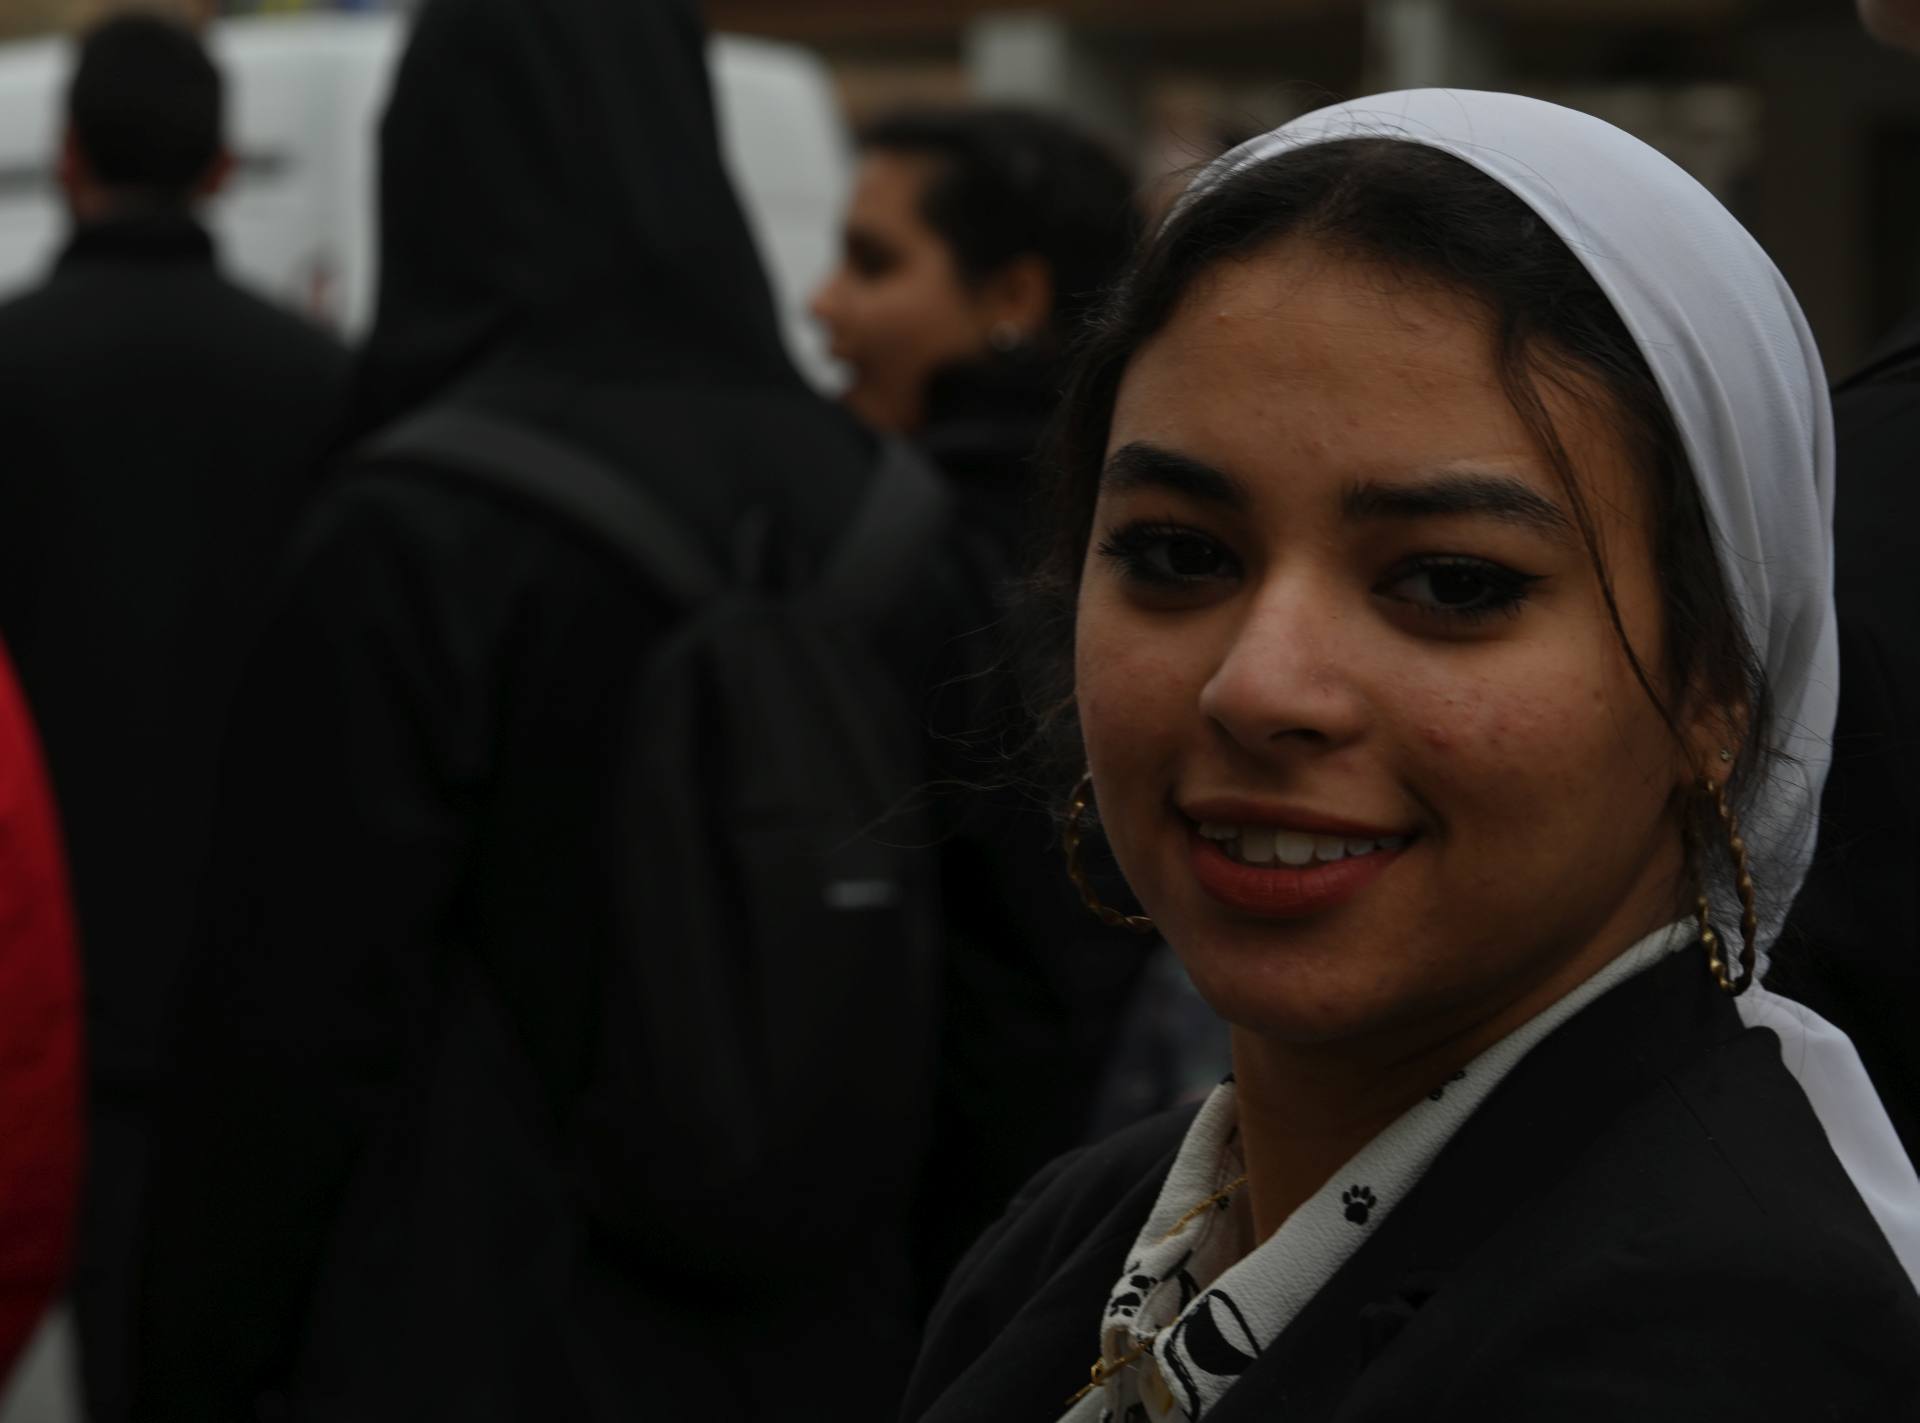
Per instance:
(1743,885)
(1071,837)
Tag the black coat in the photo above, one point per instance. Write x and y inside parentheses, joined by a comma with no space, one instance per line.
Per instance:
(362,1195)
(1851,948)
(365,1204)
(1644,1220)
(162,427)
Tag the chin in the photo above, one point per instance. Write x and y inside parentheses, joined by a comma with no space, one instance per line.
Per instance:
(1290,983)
(872,409)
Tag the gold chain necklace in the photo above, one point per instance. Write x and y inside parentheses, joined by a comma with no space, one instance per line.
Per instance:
(1104,1368)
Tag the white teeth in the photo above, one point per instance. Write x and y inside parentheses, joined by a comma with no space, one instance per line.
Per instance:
(1262,845)
(1291,847)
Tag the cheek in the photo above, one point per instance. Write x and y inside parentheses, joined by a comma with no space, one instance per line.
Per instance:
(1137,691)
(1488,727)
(919,317)
(1541,755)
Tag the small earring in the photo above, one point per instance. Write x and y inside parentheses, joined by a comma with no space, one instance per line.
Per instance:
(1725,755)
(1071,837)
(1743,885)
(1006,337)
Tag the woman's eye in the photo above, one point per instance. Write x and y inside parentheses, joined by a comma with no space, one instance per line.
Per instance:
(1167,555)
(1465,588)
(868,258)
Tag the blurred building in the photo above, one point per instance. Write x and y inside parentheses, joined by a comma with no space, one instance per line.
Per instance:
(1783,107)
(23,18)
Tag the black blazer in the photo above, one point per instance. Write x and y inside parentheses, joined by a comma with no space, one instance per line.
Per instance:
(1643,1221)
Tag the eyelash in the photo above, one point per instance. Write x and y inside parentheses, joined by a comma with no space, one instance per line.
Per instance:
(1507,588)
(1133,547)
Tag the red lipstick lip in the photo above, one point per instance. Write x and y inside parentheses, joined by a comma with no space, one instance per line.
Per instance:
(1278,891)
(1230,810)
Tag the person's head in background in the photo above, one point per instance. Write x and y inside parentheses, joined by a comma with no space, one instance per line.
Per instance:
(1893,22)
(144,121)
(973,234)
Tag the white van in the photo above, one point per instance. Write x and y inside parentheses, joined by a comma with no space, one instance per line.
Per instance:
(305,97)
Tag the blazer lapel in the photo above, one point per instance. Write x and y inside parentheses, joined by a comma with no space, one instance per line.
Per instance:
(1528,1134)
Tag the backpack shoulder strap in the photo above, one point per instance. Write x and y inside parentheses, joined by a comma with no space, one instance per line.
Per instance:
(906,504)
(590,493)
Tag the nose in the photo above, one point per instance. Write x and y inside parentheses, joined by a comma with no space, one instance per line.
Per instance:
(825,299)
(1291,676)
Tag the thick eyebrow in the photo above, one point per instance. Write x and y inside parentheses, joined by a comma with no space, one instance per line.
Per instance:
(1496,496)
(1143,465)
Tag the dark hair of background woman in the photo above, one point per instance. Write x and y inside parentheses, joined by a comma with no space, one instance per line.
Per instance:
(1432,217)
(1014,182)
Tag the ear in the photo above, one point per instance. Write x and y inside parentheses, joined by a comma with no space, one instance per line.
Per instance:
(1714,733)
(215,178)
(72,170)
(1018,294)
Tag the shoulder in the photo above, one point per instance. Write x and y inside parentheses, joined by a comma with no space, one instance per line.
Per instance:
(36,320)
(1073,1198)
(1084,1211)
(278,383)
(433,494)
(1783,1322)
(402,512)
(1709,1258)
(24,306)
(445,572)
(1727,1162)
(274,328)
(1645,1220)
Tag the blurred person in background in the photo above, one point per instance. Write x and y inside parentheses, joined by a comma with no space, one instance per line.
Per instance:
(442,1142)
(975,240)
(40,1047)
(162,425)
(1852,947)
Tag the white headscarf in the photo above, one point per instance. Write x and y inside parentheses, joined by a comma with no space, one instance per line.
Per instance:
(1735,358)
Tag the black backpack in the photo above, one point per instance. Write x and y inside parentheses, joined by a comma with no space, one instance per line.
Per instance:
(767,1039)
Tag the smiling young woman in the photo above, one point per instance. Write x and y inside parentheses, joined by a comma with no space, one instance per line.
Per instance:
(1442,514)
(1350,618)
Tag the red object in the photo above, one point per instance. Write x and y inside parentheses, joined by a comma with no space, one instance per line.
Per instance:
(1281,891)
(40,1048)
